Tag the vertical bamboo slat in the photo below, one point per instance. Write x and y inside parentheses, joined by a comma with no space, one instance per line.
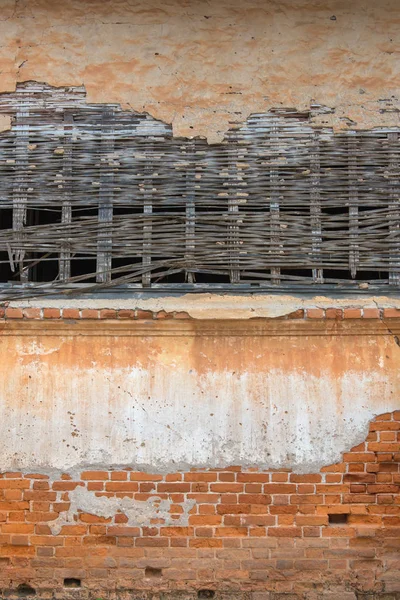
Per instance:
(147,223)
(20,186)
(353,205)
(233,213)
(394,209)
(190,210)
(104,244)
(274,207)
(66,210)
(315,208)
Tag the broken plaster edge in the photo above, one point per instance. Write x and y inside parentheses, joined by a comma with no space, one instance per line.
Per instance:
(215,306)
(162,467)
(335,117)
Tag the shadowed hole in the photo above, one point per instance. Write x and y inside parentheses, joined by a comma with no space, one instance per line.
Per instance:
(205,594)
(71,582)
(338,519)
(24,590)
(152,573)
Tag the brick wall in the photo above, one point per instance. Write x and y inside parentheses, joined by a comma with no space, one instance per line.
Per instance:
(249,534)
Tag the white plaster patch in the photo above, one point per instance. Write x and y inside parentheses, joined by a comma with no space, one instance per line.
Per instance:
(139,513)
(165,419)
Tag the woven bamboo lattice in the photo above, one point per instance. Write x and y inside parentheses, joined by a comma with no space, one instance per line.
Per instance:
(92,194)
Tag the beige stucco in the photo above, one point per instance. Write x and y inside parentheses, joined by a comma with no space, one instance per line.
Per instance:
(202,65)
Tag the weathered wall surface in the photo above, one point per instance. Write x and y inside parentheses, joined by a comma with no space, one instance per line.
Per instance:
(201,65)
(228,533)
(187,451)
(182,393)
(151,455)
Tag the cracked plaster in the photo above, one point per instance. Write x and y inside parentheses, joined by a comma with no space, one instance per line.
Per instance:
(203,65)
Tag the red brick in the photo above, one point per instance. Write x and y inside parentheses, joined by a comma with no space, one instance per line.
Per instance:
(89,313)
(205,543)
(227,477)
(177,531)
(204,520)
(124,313)
(71,313)
(231,531)
(307,478)
(337,468)
(359,478)
(284,532)
(95,475)
(151,541)
(371,313)
(227,487)
(334,313)
(14,313)
(120,531)
(173,487)
(122,486)
(162,314)
(361,457)
(144,314)
(279,477)
(253,477)
(352,313)
(384,417)
(119,475)
(391,313)
(108,313)
(315,313)
(200,476)
(384,447)
(139,476)
(32,313)
(51,313)
(280,488)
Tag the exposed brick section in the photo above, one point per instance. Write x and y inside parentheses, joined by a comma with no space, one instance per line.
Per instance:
(252,534)
(333,313)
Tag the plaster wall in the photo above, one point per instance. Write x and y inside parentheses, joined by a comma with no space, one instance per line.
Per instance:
(201,65)
(164,395)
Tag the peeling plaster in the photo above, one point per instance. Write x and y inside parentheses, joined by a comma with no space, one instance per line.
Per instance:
(139,513)
(203,65)
(214,305)
(162,404)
